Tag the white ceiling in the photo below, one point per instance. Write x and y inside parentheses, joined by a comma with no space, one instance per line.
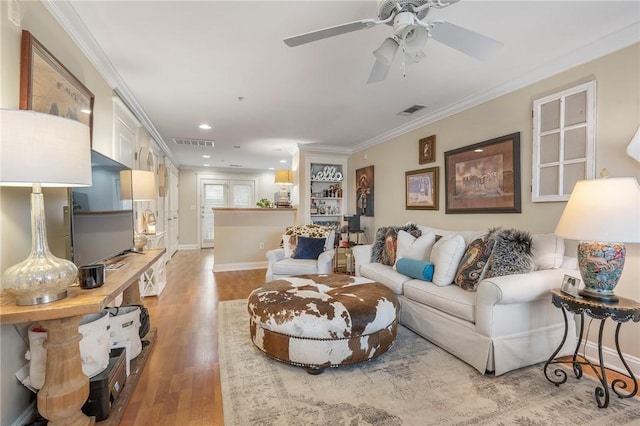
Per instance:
(182,63)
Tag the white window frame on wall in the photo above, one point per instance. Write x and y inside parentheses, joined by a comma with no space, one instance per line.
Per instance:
(563,193)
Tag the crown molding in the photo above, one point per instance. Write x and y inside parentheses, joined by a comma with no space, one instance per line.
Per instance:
(65,14)
(602,47)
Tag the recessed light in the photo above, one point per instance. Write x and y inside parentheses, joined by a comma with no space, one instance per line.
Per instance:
(207,165)
(206,156)
(272,168)
(478,150)
(205,126)
(283,161)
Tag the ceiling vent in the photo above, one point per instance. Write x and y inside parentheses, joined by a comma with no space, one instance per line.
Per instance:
(235,165)
(194,142)
(411,110)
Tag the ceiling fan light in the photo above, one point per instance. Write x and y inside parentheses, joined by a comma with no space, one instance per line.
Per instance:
(387,51)
(415,40)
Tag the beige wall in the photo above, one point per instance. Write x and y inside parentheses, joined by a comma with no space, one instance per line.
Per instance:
(617,118)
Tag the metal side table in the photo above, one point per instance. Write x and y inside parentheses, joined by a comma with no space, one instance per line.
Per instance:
(623,311)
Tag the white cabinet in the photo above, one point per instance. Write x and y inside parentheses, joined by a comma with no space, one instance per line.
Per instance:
(326,202)
(154,279)
(125,133)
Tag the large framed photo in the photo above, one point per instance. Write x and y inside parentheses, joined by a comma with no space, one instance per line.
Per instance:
(421,189)
(427,150)
(47,86)
(364,191)
(484,177)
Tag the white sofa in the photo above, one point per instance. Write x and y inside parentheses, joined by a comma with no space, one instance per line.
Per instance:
(509,322)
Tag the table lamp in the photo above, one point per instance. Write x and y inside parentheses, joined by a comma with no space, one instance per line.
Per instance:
(41,150)
(142,188)
(602,214)
(284,178)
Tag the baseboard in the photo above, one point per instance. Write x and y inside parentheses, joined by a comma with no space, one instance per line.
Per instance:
(27,415)
(188,247)
(611,359)
(239,266)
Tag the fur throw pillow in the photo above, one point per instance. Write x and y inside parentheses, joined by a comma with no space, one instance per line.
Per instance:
(386,240)
(511,253)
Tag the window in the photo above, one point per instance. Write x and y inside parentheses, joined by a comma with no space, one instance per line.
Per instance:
(563,142)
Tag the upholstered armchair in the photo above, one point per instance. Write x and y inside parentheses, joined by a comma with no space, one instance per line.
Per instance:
(306,255)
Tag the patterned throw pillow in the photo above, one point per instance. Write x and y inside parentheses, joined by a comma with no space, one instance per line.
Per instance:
(312,231)
(511,254)
(474,263)
(385,243)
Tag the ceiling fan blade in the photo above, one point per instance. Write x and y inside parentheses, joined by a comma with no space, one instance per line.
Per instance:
(378,72)
(329,32)
(466,41)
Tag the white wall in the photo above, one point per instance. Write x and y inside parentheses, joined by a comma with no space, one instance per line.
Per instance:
(617,118)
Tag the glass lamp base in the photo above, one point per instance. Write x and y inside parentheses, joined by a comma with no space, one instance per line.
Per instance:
(33,299)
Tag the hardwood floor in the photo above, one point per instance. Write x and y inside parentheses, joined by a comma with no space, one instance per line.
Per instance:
(181,382)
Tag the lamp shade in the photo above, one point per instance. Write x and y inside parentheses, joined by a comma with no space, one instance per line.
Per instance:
(143,185)
(606,210)
(43,149)
(284,177)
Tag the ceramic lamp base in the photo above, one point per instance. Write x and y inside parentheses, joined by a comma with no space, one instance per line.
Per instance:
(600,265)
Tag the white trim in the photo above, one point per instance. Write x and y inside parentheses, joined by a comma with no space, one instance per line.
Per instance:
(27,415)
(188,247)
(611,359)
(239,266)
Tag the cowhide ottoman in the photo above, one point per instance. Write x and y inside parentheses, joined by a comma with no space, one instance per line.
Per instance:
(318,321)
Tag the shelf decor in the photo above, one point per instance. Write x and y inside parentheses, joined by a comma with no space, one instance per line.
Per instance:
(484,177)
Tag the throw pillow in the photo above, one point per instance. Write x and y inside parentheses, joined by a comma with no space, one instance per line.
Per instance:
(473,265)
(414,248)
(384,245)
(289,244)
(445,256)
(308,248)
(511,253)
(415,268)
(315,231)
(548,251)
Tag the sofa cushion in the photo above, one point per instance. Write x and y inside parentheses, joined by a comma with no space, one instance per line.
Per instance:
(385,242)
(384,274)
(289,266)
(414,248)
(451,300)
(548,251)
(445,256)
(308,248)
(511,253)
(414,268)
(473,265)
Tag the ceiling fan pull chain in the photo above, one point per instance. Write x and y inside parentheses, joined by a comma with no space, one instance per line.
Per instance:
(403,66)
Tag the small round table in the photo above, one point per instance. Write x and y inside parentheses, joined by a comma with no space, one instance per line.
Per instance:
(624,310)
(318,321)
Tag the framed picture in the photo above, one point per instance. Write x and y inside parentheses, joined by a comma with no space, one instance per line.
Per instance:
(427,150)
(484,177)
(364,191)
(421,189)
(570,285)
(47,86)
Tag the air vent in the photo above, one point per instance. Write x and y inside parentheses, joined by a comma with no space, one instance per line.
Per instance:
(411,110)
(194,142)
(235,165)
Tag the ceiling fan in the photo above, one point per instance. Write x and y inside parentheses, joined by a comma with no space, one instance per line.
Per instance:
(409,32)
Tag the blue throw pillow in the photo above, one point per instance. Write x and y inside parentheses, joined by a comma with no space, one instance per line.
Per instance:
(413,268)
(308,248)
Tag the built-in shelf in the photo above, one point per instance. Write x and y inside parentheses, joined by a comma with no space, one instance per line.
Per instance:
(101,212)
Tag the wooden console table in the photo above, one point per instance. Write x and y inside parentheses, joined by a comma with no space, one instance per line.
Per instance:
(66,388)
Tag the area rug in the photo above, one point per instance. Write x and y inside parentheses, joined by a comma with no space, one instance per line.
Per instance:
(414,383)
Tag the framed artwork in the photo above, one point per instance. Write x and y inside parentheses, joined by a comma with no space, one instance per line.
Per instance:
(570,285)
(47,86)
(364,191)
(484,177)
(427,150)
(421,189)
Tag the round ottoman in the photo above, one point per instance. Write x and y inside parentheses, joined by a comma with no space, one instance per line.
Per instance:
(318,321)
